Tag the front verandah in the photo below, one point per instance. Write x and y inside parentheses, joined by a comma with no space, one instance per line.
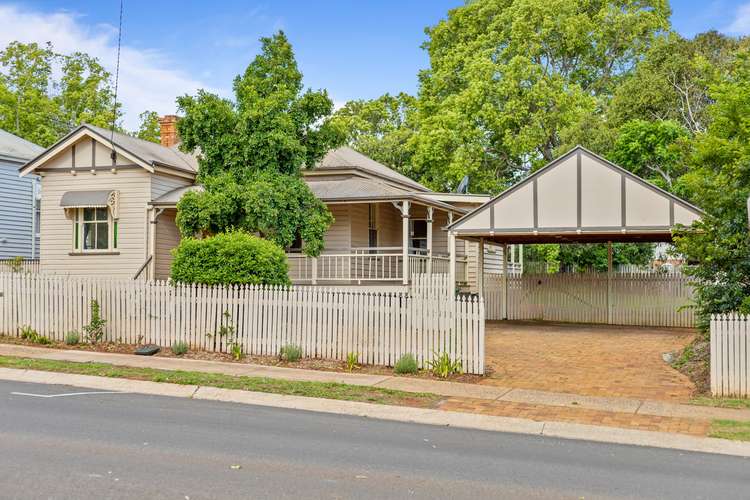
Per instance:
(381,243)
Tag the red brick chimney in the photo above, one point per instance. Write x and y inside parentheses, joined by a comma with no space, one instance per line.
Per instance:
(168,130)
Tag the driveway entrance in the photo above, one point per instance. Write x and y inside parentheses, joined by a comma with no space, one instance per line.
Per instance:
(594,360)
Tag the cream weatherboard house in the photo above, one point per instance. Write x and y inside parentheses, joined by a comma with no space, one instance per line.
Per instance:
(109,203)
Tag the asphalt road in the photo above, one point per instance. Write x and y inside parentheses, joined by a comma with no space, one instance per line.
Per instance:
(134,446)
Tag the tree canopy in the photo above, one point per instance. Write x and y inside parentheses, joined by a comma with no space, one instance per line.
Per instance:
(272,125)
(719,181)
(252,151)
(44,94)
(380,128)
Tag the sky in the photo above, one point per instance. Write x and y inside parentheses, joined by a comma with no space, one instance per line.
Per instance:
(354,49)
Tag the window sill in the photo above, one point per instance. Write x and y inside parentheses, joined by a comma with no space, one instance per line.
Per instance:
(82,254)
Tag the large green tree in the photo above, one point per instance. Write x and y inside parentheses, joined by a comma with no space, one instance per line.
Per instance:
(25,106)
(672,81)
(272,125)
(719,182)
(44,95)
(252,151)
(149,128)
(508,77)
(380,128)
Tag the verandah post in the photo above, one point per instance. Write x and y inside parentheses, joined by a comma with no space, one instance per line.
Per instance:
(405,242)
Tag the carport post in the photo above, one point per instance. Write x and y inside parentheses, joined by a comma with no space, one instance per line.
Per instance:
(609,282)
(505,281)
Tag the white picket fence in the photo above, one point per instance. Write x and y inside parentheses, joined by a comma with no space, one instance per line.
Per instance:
(19,265)
(644,299)
(730,358)
(325,322)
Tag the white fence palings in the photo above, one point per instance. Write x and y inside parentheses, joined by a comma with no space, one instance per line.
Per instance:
(326,322)
(641,299)
(730,360)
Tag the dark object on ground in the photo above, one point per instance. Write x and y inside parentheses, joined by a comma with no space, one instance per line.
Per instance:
(147,350)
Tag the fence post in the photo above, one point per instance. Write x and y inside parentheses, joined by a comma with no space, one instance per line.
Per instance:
(609,283)
(314,266)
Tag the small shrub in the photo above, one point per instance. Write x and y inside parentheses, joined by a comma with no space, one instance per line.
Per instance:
(236,350)
(442,366)
(236,258)
(28,333)
(95,329)
(16,264)
(179,348)
(72,338)
(290,353)
(406,364)
(351,361)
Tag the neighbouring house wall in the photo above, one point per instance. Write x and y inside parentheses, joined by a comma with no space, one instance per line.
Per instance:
(493,260)
(134,185)
(167,238)
(17,236)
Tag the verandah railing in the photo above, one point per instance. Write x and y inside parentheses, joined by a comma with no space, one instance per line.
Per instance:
(325,322)
(382,264)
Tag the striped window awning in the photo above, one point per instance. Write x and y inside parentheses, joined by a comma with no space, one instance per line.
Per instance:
(85,199)
(92,199)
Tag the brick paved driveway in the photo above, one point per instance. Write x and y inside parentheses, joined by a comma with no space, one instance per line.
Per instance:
(595,360)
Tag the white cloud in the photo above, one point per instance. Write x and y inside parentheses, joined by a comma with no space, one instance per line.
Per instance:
(741,23)
(148,80)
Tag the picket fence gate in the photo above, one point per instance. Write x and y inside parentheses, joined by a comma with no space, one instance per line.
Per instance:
(643,299)
(326,322)
(730,359)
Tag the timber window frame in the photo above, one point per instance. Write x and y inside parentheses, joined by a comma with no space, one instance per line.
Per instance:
(94,231)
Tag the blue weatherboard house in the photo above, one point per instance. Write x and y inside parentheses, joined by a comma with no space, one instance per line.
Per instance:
(19,199)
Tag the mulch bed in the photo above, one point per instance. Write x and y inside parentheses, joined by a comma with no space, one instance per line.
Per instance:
(304,363)
(695,362)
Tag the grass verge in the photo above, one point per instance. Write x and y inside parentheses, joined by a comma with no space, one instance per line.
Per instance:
(737,404)
(730,429)
(328,390)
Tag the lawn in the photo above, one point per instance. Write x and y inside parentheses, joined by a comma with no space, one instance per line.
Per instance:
(327,390)
(730,429)
(721,402)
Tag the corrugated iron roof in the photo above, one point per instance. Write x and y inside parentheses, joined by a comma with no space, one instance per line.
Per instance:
(16,148)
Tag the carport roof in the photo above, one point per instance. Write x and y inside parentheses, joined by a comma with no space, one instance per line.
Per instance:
(579,197)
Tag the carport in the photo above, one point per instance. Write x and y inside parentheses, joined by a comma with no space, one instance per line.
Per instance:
(578,198)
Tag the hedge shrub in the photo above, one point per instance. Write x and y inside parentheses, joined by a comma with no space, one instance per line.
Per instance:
(233,258)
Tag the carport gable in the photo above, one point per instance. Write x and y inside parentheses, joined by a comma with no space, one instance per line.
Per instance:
(578,197)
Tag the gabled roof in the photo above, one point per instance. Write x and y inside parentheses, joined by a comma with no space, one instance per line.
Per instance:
(579,197)
(153,153)
(145,153)
(346,158)
(14,148)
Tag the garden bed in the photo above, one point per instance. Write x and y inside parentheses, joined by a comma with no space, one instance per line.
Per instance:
(304,363)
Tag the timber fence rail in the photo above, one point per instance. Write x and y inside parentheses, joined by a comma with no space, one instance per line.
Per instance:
(730,359)
(325,322)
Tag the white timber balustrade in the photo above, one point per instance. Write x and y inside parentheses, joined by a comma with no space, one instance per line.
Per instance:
(326,322)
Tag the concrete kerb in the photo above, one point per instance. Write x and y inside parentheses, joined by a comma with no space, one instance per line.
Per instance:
(407,384)
(392,413)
